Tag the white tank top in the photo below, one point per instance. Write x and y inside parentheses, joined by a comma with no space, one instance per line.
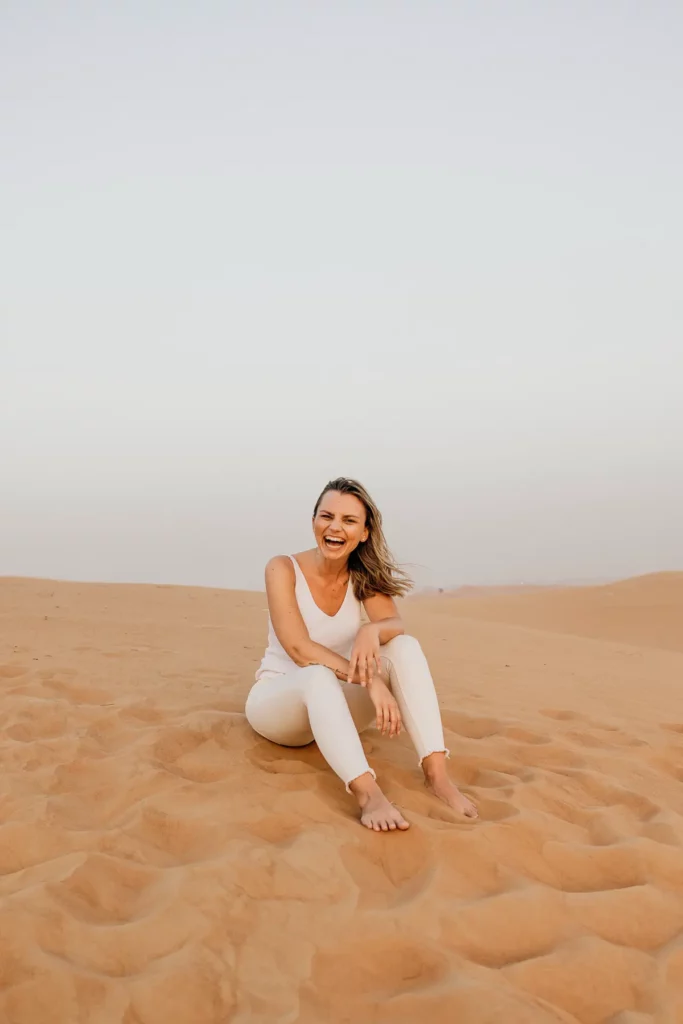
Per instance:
(337,632)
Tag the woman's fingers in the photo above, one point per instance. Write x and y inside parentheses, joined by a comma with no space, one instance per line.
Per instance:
(366,664)
(395,721)
(368,671)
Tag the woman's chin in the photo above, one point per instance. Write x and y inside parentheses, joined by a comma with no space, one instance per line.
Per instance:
(331,554)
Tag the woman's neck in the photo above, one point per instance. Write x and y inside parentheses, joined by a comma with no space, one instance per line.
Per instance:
(333,572)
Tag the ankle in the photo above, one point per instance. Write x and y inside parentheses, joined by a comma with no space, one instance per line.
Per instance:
(437,780)
(364,786)
(434,768)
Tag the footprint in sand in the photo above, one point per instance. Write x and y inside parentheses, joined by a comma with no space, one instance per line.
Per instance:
(390,875)
(665,832)
(597,788)
(521,735)
(490,809)
(549,756)
(576,867)
(12,671)
(495,810)
(509,927)
(278,828)
(672,727)
(584,739)
(106,890)
(142,714)
(561,715)
(179,838)
(640,916)
(279,761)
(41,722)
(468,773)
(25,844)
(404,966)
(588,978)
(469,726)
(670,764)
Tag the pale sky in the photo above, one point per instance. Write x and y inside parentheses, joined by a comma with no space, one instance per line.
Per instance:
(247,247)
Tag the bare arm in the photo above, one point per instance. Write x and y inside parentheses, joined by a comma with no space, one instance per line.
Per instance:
(288,622)
(385,623)
(384,617)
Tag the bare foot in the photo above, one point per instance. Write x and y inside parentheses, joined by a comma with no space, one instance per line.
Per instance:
(378,813)
(449,793)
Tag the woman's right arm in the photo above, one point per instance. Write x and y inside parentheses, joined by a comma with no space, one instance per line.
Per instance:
(288,622)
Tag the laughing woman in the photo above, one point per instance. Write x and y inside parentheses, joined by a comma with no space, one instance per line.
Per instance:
(326,675)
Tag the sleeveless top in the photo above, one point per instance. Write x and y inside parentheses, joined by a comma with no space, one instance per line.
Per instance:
(337,632)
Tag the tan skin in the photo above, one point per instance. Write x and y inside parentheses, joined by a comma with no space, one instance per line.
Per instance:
(326,568)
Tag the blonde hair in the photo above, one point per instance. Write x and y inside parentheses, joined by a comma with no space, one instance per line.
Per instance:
(372,567)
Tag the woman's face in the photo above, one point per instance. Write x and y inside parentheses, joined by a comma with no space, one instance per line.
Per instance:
(339,525)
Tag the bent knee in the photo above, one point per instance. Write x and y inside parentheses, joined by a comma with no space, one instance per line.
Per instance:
(403,642)
(318,675)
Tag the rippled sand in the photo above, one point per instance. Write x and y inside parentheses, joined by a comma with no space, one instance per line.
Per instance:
(161,864)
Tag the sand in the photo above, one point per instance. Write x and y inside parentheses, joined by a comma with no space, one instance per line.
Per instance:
(161,864)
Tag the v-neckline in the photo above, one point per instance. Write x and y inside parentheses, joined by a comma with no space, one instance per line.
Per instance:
(308,587)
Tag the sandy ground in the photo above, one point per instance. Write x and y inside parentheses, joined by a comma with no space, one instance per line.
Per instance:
(161,864)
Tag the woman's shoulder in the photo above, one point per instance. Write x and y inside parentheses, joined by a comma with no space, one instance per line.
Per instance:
(279,575)
(279,564)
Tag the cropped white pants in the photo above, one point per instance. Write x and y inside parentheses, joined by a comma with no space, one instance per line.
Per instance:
(310,703)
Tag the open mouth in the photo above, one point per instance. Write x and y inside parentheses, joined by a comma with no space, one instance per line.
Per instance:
(333,543)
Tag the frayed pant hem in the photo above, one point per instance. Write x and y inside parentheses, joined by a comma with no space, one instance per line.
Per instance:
(368,771)
(439,750)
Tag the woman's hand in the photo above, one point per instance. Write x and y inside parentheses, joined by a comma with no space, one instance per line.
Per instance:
(388,712)
(365,654)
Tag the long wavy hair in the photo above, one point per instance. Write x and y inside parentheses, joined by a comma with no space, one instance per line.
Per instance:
(372,566)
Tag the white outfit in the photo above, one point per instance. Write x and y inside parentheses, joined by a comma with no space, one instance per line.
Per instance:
(293,706)
(336,632)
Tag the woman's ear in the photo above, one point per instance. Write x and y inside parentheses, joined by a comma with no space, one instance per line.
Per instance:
(366,534)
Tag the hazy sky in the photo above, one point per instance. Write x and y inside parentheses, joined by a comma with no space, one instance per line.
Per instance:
(247,247)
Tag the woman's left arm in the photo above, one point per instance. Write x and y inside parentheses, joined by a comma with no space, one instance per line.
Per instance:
(385,623)
(383,613)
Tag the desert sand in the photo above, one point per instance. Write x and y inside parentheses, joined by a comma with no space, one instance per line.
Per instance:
(162,864)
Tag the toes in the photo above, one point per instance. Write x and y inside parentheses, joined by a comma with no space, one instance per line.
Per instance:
(392,825)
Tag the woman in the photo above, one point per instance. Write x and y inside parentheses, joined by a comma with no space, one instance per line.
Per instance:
(326,674)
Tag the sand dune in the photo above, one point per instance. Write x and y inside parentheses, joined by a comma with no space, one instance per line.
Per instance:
(645,611)
(161,864)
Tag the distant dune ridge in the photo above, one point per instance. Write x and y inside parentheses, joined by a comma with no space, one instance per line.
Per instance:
(162,864)
(646,610)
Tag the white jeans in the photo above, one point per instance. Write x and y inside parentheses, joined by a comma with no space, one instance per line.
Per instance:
(312,704)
